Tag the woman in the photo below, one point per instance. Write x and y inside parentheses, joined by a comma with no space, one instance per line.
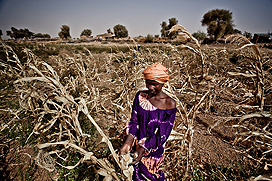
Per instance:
(152,119)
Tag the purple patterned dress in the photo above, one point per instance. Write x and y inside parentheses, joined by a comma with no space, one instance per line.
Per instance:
(150,127)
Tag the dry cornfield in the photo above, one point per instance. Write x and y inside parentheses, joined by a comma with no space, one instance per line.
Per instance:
(80,103)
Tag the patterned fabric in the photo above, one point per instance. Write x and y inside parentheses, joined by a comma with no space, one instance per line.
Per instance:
(151,127)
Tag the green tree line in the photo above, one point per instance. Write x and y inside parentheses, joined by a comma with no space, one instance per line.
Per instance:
(219,22)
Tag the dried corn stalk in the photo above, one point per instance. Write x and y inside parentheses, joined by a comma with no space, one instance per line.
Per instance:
(256,65)
(104,86)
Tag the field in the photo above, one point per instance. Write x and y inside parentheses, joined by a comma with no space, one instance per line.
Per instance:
(64,108)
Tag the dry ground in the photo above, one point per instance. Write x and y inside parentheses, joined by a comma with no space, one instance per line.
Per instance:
(211,144)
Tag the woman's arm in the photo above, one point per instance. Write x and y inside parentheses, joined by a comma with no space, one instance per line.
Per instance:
(132,128)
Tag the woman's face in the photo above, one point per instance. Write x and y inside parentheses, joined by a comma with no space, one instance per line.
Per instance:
(153,86)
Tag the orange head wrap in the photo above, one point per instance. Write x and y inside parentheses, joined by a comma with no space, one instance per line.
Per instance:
(156,72)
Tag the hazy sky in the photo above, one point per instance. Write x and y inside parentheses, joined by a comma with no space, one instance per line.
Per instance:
(140,17)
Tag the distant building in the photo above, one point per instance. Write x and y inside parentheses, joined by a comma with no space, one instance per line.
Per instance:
(86,37)
(262,38)
(139,39)
(105,36)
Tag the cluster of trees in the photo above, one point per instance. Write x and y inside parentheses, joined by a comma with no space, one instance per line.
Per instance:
(219,22)
(165,28)
(247,34)
(86,32)
(23,33)
(120,31)
(199,35)
(40,35)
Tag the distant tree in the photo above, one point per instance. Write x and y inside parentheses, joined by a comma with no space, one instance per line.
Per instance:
(109,31)
(236,31)
(120,31)
(199,35)
(219,22)
(46,36)
(65,32)
(165,28)
(8,33)
(172,22)
(1,33)
(149,39)
(21,33)
(229,30)
(86,32)
(26,33)
(40,35)
(13,33)
(247,34)
(157,36)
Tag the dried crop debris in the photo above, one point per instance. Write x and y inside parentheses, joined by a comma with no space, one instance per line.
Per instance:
(69,91)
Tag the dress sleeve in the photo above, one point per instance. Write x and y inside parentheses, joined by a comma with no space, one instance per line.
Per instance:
(133,125)
(161,133)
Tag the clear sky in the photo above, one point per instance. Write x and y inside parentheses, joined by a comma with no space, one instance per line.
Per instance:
(140,17)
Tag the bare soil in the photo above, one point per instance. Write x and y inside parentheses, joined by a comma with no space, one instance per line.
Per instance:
(18,163)
(214,145)
(211,144)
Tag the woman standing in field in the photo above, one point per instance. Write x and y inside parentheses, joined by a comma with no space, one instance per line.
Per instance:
(152,119)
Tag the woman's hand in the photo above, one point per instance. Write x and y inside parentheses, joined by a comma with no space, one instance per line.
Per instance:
(127,145)
(124,149)
(138,154)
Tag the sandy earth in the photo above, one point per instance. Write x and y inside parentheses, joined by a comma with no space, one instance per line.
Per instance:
(209,145)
